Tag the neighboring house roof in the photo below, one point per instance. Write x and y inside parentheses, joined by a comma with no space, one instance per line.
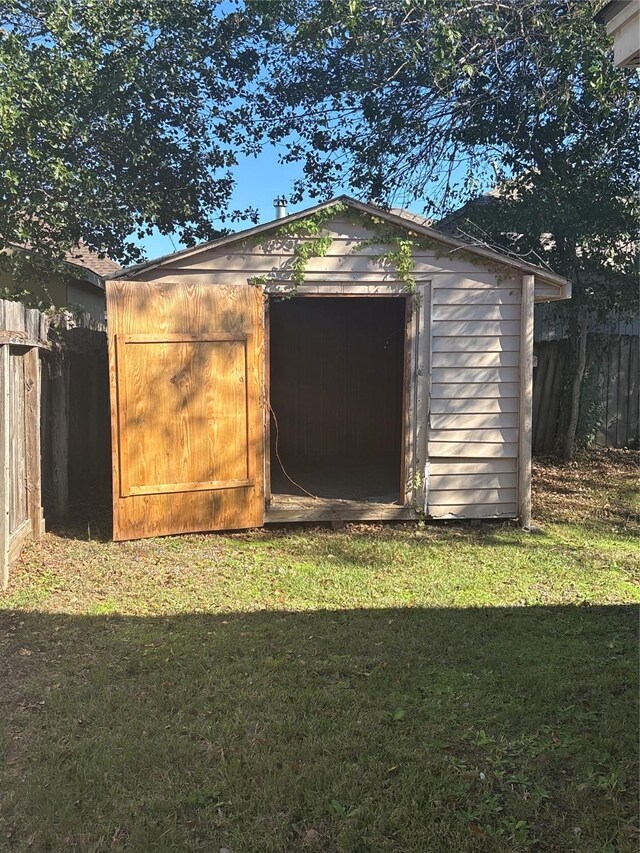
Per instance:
(455,222)
(87,258)
(450,223)
(411,222)
(94,268)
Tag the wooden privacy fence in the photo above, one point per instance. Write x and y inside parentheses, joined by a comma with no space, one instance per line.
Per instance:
(74,416)
(54,422)
(618,393)
(22,332)
(610,408)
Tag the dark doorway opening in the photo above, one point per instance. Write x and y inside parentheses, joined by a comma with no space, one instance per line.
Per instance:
(337,397)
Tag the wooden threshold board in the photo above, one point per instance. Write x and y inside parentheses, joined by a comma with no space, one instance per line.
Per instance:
(286,508)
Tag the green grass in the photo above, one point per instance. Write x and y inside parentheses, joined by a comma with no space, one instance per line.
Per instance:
(377,689)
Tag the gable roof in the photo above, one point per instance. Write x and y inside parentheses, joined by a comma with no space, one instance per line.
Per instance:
(82,256)
(401,219)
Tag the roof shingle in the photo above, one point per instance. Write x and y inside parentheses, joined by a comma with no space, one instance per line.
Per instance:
(83,256)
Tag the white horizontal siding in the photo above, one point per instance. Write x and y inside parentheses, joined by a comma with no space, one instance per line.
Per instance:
(471,389)
(338,286)
(476,312)
(472,449)
(475,359)
(317,283)
(472,488)
(345,252)
(475,295)
(484,495)
(342,229)
(463,511)
(490,436)
(466,467)
(545,290)
(474,375)
(473,413)
(472,405)
(476,328)
(466,344)
(276,268)
(268,254)
(471,283)
(475,480)
(473,421)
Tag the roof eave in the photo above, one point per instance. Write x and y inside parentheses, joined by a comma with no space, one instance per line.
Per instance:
(461,245)
(564,292)
(245,234)
(395,219)
(609,11)
(88,276)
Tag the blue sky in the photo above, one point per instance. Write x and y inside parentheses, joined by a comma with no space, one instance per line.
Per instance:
(258,181)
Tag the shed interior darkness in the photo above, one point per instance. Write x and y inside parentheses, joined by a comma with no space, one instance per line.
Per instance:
(336,388)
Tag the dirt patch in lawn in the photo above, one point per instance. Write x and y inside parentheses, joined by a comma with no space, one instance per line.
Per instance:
(600,487)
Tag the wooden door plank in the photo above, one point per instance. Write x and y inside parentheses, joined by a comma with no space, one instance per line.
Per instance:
(170,488)
(166,338)
(186,378)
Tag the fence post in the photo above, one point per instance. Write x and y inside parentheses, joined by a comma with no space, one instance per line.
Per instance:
(4,465)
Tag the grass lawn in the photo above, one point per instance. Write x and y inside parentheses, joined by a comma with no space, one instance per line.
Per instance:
(398,688)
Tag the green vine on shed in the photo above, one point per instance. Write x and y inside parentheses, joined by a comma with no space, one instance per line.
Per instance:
(303,253)
(402,260)
(313,244)
(317,247)
(401,257)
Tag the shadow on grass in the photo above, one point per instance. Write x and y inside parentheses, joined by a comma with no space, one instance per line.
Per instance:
(369,730)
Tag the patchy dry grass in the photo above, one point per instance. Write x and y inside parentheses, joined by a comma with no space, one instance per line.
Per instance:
(396,688)
(600,489)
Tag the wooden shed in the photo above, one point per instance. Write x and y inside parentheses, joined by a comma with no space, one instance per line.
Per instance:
(341,363)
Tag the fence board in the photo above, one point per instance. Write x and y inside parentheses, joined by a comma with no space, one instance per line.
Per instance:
(5,409)
(40,450)
(32,440)
(613,374)
(17,443)
(633,419)
(547,385)
(60,440)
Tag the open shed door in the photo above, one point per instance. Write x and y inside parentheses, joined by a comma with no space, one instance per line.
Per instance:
(185,364)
